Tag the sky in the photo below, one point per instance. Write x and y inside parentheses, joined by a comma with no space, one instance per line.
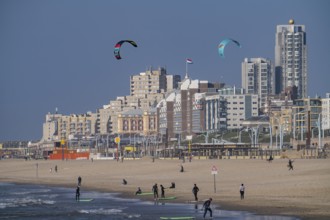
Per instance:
(59,54)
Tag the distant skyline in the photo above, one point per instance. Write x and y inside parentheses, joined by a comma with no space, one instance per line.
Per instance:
(59,54)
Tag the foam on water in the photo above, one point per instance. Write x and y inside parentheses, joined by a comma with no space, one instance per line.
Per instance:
(101,211)
(41,191)
(109,212)
(23,202)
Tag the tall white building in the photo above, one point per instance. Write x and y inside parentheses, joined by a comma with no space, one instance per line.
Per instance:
(258,78)
(291,58)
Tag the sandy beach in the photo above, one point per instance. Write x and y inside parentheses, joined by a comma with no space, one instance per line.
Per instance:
(270,187)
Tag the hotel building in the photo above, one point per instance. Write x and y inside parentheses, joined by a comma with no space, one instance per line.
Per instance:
(291,58)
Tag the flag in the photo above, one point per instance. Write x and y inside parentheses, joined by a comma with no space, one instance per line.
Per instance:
(189,61)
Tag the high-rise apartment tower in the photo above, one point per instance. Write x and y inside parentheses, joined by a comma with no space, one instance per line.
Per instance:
(291,58)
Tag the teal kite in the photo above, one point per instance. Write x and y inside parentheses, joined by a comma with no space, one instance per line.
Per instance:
(222,45)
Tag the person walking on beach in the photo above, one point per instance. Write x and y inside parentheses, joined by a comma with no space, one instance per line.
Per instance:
(290,165)
(195,191)
(162,189)
(242,190)
(55,168)
(155,191)
(79,181)
(270,159)
(181,170)
(207,207)
(78,193)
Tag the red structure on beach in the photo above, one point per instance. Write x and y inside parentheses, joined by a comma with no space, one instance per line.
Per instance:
(61,152)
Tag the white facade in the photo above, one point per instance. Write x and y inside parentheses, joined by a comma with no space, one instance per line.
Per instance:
(239,108)
(291,58)
(49,128)
(258,78)
(215,113)
(326,112)
(58,127)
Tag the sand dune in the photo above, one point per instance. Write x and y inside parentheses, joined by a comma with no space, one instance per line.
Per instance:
(270,187)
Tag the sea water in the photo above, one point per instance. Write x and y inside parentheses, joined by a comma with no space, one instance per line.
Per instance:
(22,201)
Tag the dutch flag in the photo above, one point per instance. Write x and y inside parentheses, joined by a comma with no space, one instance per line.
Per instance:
(189,61)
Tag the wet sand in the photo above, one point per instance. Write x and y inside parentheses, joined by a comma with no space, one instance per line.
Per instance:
(270,187)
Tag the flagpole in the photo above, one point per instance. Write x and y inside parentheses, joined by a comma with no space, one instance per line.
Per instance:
(186,68)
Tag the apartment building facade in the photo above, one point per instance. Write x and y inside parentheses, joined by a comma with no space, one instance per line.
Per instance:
(291,58)
(65,127)
(240,106)
(258,78)
(182,112)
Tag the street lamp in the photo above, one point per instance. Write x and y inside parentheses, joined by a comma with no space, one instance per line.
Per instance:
(206,137)
(107,151)
(270,136)
(313,131)
(135,140)
(240,134)
(294,124)
(319,128)
(281,132)
(178,132)
(253,134)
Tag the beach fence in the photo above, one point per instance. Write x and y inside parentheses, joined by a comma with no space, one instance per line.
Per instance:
(220,151)
(230,150)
